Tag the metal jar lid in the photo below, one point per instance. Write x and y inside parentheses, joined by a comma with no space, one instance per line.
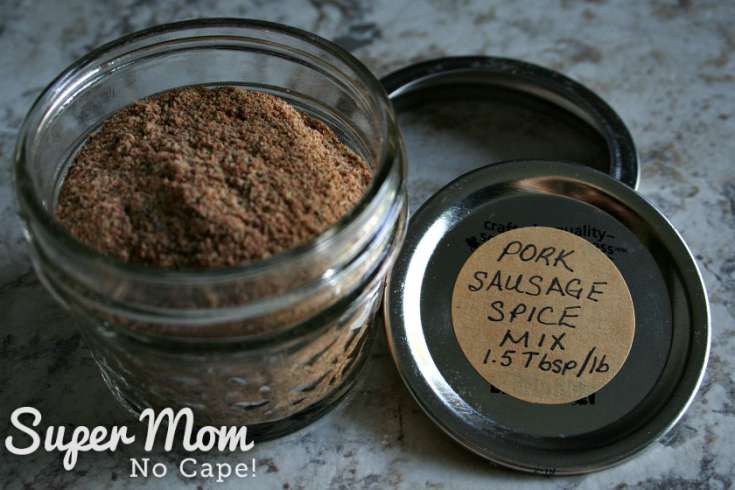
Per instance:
(519,84)
(669,349)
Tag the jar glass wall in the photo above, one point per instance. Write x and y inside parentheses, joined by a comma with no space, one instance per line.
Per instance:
(270,344)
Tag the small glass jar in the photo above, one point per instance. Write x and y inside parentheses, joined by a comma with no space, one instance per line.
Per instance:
(270,344)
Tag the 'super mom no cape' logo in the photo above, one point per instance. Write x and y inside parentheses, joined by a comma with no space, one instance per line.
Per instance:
(81,439)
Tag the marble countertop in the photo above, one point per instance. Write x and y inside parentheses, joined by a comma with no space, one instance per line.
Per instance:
(667,67)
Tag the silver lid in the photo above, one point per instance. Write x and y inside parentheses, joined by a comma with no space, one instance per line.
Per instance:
(669,350)
(515,86)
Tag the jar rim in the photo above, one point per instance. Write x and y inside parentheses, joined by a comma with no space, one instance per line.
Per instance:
(27,195)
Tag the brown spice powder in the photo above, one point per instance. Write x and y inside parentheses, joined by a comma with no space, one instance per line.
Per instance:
(208,177)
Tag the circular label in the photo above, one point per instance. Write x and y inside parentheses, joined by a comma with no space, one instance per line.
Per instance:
(543,315)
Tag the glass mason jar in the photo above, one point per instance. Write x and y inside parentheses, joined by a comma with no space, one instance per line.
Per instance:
(270,344)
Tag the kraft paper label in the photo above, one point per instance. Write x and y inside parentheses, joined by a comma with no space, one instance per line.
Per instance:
(543,315)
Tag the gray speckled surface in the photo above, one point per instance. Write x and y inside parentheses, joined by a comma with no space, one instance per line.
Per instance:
(667,67)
